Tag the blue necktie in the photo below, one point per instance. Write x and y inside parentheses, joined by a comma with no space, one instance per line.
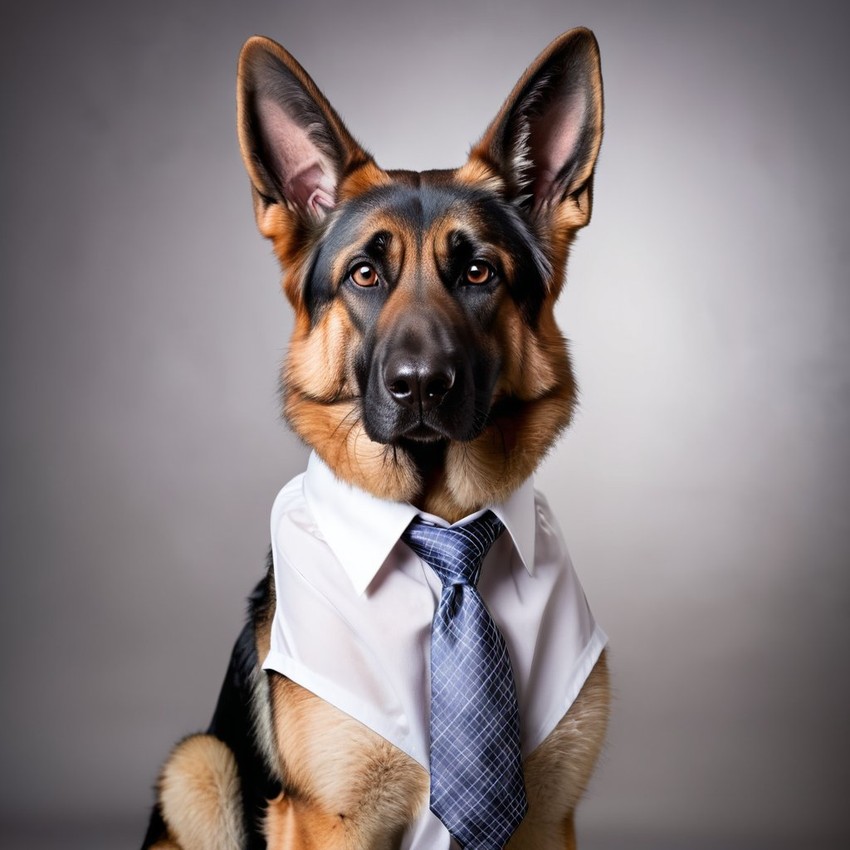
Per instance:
(477,787)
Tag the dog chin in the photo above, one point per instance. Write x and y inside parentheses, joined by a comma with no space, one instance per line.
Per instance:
(428,432)
(419,434)
(427,446)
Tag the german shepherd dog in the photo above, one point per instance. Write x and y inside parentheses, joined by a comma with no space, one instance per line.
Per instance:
(425,366)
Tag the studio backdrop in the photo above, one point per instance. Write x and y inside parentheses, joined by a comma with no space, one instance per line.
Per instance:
(704,487)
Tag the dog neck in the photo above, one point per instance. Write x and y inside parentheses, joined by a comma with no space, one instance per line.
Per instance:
(435,496)
(451,479)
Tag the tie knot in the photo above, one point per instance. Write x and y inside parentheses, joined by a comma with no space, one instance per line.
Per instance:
(455,554)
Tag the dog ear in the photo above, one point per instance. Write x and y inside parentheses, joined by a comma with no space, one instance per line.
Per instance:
(545,139)
(294,145)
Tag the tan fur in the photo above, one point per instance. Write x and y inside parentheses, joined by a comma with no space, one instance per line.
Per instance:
(318,365)
(557,772)
(359,789)
(200,797)
(320,394)
(345,787)
(318,370)
(366,176)
(295,824)
(349,789)
(476,172)
(349,452)
(333,765)
(489,469)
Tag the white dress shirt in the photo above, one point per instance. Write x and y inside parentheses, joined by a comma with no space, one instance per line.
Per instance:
(355,605)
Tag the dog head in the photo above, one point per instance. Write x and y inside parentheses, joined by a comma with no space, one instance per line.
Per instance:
(425,363)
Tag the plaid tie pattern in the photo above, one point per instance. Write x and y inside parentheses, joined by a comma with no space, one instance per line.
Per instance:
(477,787)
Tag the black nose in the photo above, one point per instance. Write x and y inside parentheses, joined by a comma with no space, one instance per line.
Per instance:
(419,383)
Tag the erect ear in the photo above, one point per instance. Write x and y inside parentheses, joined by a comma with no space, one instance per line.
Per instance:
(294,145)
(545,139)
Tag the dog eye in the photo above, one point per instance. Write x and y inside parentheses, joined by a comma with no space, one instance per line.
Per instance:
(364,274)
(479,273)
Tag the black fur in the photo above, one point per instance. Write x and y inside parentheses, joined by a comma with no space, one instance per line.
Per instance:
(495,222)
(232,724)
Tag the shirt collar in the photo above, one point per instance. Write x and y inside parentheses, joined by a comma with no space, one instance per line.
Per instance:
(362,529)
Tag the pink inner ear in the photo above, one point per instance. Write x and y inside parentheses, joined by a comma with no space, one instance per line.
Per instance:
(306,175)
(554,138)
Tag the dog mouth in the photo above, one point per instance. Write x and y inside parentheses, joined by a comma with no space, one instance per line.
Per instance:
(420,432)
(460,421)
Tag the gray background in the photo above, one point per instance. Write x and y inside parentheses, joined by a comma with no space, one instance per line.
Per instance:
(705,486)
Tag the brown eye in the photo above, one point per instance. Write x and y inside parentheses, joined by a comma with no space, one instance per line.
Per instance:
(478,273)
(364,274)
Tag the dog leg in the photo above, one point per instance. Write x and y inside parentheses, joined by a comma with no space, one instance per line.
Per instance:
(200,798)
(537,833)
(557,772)
(294,824)
(347,787)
